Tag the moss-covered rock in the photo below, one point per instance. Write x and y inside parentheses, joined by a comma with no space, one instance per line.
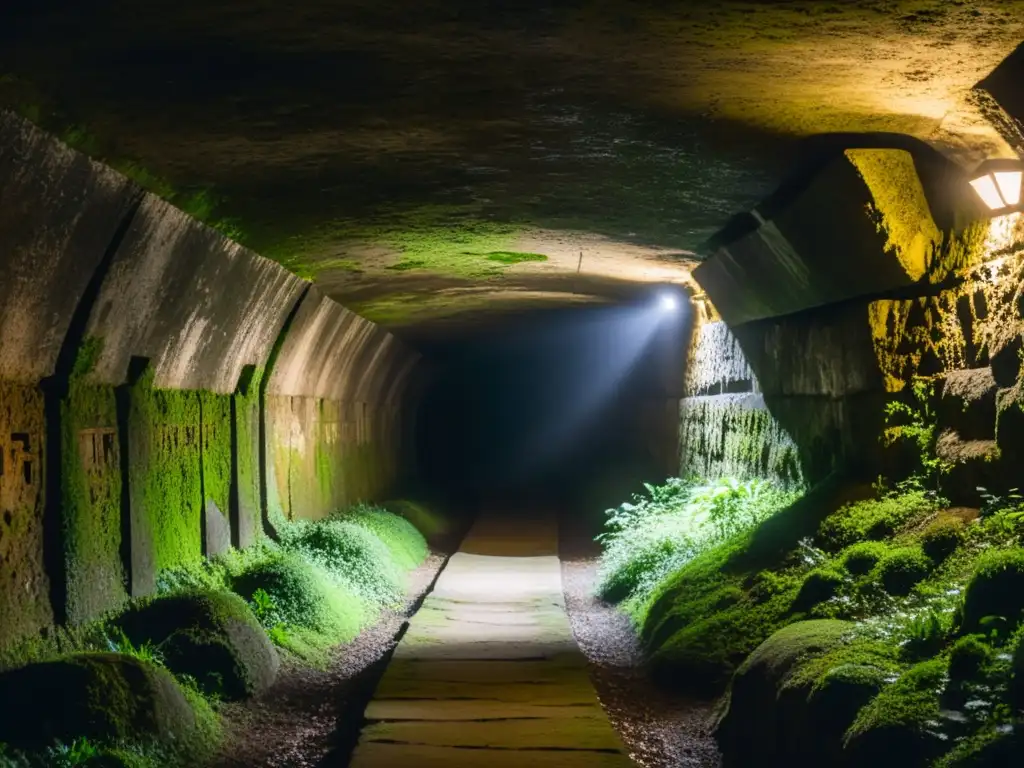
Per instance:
(818,586)
(351,552)
(304,597)
(104,697)
(991,748)
(211,636)
(859,559)
(901,726)
(874,519)
(942,537)
(996,588)
(968,657)
(902,569)
(766,718)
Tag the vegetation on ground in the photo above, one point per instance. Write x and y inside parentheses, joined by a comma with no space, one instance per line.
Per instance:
(930,600)
(140,688)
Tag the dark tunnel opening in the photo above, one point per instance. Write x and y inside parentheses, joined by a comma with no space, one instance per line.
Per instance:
(550,406)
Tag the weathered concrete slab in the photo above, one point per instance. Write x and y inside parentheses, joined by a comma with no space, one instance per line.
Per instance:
(488,672)
(59,212)
(861,226)
(333,403)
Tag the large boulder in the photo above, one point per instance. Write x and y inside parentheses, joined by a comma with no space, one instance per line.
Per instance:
(996,589)
(766,719)
(103,697)
(212,636)
(902,725)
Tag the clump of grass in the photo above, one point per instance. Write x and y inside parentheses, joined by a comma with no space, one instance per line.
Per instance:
(660,531)
(874,519)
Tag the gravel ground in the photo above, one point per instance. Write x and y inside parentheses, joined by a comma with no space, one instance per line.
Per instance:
(660,729)
(312,717)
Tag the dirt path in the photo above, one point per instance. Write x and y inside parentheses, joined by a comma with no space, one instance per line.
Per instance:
(660,729)
(488,672)
(312,717)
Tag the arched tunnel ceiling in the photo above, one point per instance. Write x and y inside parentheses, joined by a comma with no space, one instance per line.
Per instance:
(433,163)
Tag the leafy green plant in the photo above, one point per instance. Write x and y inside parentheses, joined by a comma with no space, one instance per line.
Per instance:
(78,753)
(658,532)
(264,607)
(927,633)
(119,642)
(917,423)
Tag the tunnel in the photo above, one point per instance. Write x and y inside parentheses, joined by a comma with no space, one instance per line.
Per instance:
(502,383)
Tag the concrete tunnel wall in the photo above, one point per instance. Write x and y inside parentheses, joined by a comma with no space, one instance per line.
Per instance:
(929,296)
(164,392)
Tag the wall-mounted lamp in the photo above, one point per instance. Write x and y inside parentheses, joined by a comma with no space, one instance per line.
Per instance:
(998,184)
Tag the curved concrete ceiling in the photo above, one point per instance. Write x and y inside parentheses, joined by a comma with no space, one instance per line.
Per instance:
(431,162)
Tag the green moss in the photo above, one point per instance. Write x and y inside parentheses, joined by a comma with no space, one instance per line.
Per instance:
(215,420)
(514,257)
(901,725)
(166,479)
(407,545)
(902,569)
(109,699)
(91,493)
(433,525)
(317,611)
(818,586)
(859,559)
(899,208)
(996,589)
(992,747)
(874,519)
(968,657)
(942,537)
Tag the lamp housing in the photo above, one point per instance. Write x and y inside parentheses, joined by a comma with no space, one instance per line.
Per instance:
(998,183)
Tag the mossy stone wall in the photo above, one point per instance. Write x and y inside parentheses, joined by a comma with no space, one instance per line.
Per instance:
(91,502)
(145,417)
(24,582)
(724,427)
(165,482)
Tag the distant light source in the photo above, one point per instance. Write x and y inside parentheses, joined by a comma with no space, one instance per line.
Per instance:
(668,302)
(998,184)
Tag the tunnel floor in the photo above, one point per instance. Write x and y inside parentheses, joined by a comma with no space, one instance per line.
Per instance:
(488,669)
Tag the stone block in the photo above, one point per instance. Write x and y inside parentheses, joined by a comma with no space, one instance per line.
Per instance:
(25,605)
(59,213)
(861,226)
(967,404)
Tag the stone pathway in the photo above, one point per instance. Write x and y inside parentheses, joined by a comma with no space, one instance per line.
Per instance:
(488,673)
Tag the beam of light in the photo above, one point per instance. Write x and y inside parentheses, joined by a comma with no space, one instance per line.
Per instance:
(617,343)
(668,303)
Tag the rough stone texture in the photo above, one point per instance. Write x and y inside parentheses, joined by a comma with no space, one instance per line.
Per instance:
(197,305)
(734,435)
(58,214)
(332,407)
(860,226)
(1004,84)
(826,352)
(724,427)
(24,582)
(488,671)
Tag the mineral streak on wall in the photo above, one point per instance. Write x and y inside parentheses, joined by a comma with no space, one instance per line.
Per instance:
(724,426)
(136,350)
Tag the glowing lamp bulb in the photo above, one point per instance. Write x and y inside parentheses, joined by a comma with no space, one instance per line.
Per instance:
(998,184)
(668,303)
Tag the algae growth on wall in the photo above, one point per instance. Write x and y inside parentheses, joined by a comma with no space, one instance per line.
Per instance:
(725,428)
